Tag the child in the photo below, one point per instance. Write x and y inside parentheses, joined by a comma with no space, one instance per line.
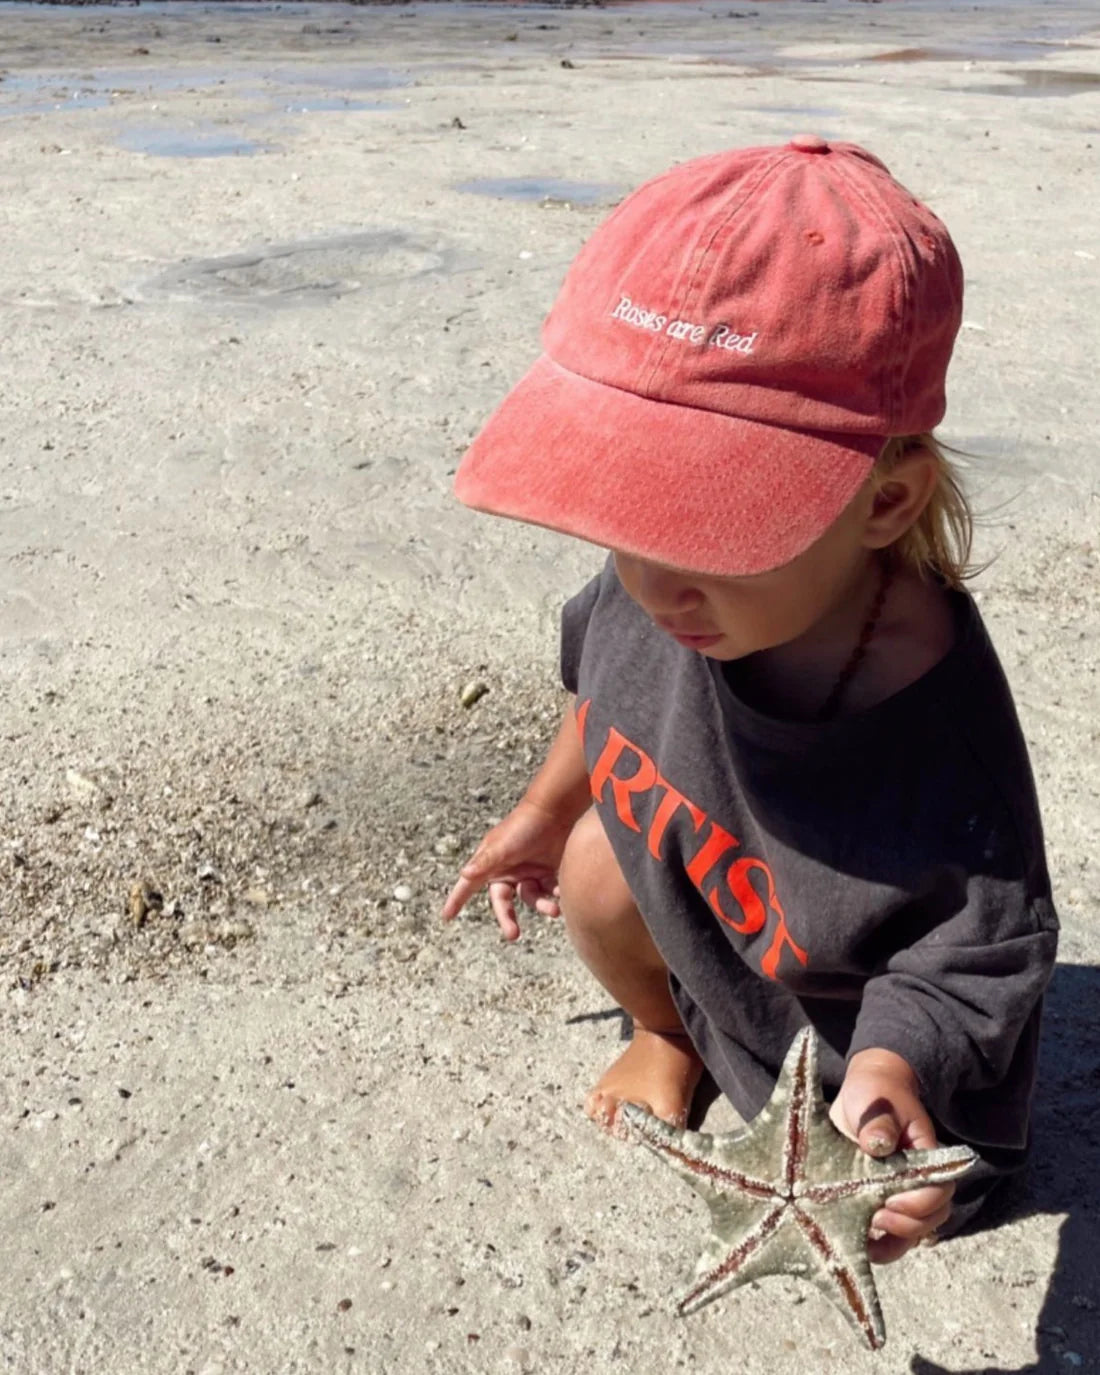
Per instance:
(791,788)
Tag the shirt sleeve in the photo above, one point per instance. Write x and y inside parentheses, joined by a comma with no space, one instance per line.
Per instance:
(574,626)
(959,1003)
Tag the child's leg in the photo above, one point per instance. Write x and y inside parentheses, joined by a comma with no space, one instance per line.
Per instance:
(659,1069)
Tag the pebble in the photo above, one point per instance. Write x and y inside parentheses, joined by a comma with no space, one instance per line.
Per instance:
(194,933)
(85,788)
(142,900)
(235,931)
(402,893)
(472,693)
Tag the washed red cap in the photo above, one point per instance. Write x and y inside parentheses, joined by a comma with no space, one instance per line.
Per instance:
(727,356)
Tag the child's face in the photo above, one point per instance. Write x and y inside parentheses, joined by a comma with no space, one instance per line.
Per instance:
(727,618)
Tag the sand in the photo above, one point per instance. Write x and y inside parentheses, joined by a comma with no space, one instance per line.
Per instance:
(265,1113)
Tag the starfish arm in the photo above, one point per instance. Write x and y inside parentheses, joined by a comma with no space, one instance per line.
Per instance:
(726,1262)
(799,1087)
(896,1174)
(843,1273)
(704,1161)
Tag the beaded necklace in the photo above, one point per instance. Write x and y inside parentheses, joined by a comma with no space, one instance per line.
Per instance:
(832,703)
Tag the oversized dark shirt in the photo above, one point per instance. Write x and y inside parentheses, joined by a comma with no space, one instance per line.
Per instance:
(880,876)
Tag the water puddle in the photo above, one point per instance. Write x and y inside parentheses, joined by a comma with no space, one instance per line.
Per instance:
(309,270)
(802,111)
(669,42)
(323,104)
(1025,81)
(1034,81)
(334,78)
(976,50)
(1040,81)
(50,92)
(57,101)
(58,92)
(545,190)
(187,143)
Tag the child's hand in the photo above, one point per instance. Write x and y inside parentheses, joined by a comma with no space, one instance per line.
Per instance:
(878,1108)
(517,859)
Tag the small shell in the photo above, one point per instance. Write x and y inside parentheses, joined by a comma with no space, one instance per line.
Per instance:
(143,899)
(472,693)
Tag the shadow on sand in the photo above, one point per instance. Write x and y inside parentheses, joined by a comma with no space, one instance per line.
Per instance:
(1063,1178)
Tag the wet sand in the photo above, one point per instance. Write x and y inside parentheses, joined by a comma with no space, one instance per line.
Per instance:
(263,271)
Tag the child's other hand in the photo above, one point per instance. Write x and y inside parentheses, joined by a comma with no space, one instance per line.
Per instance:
(878,1108)
(517,859)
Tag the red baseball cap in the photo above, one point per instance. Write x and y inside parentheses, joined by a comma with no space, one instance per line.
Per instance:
(726,358)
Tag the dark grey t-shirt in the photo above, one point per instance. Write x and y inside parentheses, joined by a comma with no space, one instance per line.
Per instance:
(880,876)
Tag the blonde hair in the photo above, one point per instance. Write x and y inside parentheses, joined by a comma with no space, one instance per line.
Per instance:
(938,544)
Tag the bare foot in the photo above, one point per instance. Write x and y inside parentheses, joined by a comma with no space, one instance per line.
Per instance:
(658,1071)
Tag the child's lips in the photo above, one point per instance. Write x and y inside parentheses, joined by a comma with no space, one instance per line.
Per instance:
(690,639)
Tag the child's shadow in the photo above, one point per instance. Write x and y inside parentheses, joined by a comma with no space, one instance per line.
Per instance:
(1063,1177)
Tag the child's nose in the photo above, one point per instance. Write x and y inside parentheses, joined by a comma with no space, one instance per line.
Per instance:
(666,592)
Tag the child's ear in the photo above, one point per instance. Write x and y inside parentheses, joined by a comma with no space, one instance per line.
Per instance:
(898,497)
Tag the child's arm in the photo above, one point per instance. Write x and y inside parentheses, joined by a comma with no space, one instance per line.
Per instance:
(520,857)
(948,1028)
(879,1107)
(561,786)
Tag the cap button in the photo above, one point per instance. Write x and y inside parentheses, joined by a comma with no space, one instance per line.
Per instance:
(809,143)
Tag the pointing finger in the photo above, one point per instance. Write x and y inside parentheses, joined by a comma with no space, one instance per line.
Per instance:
(461,894)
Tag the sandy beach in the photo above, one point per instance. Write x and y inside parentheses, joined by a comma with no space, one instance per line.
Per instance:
(263,271)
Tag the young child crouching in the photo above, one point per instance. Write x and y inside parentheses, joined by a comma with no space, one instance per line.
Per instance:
(791,788)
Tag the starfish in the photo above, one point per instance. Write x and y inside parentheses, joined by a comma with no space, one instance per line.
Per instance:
(791,1195)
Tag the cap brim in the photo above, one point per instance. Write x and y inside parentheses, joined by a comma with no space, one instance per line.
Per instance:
(677,485)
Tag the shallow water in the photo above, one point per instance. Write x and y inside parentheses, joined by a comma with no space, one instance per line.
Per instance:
(334,77)
(61,102)
(324,104)
(1039,81)
(182,143)
(548,190)
(50,92)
